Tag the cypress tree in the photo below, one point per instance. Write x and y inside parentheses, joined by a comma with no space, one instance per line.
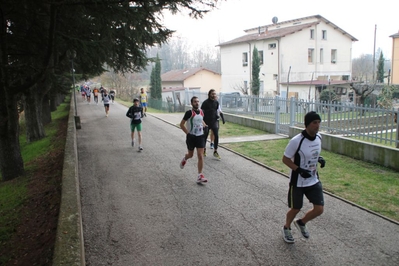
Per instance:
(157,79)
(380,68)
(255,72)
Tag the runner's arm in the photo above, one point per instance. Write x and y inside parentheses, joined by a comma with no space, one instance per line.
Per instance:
(288,162)
(221,115)
(183,126)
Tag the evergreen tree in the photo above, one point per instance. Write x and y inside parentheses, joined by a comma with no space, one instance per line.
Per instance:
(380,68)
(152,83)
(385,97)
(255,72)
(156,82)
(157,78)
(328,95)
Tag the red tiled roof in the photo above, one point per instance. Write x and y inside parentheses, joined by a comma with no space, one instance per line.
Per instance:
(182,74)
(281,32)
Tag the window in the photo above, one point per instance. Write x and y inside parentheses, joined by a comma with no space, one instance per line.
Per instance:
(310,55)
(260,57)
(350,95)
(333,56)
(324,35)
(321,56)
(272,45)
(245,59)
(341,91)
(312,34)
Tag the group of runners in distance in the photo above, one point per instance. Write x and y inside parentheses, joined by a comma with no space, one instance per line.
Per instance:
(301,155)
(106,97)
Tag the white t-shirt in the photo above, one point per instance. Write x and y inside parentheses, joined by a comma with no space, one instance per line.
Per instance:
(306,158)
(107,99)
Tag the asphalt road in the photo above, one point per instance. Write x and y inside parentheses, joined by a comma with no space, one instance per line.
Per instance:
(142,209)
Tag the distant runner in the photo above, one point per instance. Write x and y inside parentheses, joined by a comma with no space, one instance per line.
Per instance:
(144,100)
(106,100)
(135,113)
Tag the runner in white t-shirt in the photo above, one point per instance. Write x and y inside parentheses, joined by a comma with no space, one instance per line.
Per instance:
(302,155)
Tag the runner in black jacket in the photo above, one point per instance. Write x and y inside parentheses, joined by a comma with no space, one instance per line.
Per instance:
(210,108)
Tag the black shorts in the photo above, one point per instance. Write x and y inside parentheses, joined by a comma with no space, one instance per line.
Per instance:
(313,193)
(193,142)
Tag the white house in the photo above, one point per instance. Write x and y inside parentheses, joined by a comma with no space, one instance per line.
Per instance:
(300,56)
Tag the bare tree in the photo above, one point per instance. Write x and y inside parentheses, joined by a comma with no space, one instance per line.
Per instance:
(362,67)
(178,54)
(240,86)
(362,91)
(127,85)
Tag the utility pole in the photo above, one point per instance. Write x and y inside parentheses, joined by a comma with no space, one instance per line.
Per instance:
(288,81)
(310,86)
(375,33)
(288,87)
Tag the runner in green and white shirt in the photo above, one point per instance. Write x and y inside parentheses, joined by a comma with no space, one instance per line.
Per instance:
(193,125)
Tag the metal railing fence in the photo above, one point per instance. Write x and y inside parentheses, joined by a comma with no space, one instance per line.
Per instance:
(362,122)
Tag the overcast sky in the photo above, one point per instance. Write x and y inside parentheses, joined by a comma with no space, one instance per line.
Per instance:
(232,17)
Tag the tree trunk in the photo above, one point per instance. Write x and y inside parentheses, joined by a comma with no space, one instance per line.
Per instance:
(11,163)
(33,115)
(46,111)
(53,101)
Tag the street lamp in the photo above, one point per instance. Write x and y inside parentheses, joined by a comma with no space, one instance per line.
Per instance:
(71,54)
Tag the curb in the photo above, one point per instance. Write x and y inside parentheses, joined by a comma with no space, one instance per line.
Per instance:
(69,245)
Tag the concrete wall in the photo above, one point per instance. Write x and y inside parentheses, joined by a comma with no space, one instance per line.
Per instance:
(357,149)
(251,122)
(360,150)
(69,245)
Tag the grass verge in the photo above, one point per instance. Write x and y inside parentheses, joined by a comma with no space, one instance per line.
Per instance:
(368,185)
(29,204)
(236,130)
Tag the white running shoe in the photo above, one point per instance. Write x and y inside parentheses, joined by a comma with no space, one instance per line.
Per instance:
(287,236)
(302,229)
(201,179)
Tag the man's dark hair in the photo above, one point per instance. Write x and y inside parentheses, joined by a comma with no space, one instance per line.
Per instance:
(210,92)
(192,99)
